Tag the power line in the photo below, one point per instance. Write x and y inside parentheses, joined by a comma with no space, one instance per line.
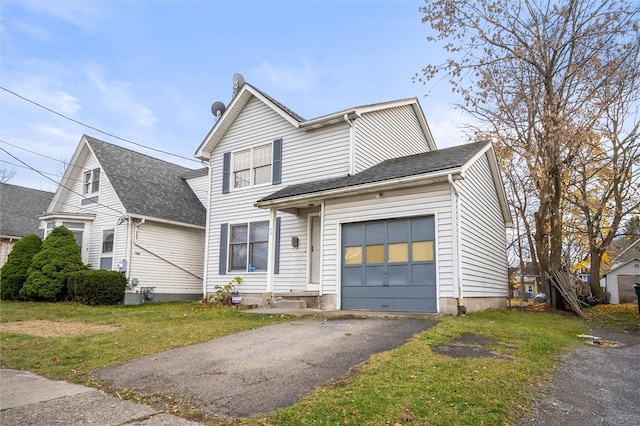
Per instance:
(67,188)
(32,152)
(95,128)
(67,165)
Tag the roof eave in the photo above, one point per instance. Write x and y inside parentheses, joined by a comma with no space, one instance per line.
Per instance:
(67,215)
(166,221)
(385,185)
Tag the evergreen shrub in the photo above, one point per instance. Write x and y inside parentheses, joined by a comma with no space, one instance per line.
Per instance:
(15,272)
(59,256)
(97,287)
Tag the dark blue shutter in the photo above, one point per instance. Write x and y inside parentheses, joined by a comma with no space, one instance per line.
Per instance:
(276,269)
(276,176)
(226,172)
(222,262)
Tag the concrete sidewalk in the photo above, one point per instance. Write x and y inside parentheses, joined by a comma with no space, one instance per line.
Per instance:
(28,399)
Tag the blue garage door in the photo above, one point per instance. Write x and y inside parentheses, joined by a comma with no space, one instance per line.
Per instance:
(389,265)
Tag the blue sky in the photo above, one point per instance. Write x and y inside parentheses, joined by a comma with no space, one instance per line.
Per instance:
(148,71)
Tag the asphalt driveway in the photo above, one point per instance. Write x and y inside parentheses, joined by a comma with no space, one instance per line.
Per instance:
(259,371)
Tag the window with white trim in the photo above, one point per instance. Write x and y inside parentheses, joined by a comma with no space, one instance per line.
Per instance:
(248,247)
(252,167)
(91,181)
(106,259)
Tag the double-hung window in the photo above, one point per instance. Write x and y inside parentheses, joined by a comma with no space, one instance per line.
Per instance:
(248,247)
(252,166)
(91,181)
(106,259)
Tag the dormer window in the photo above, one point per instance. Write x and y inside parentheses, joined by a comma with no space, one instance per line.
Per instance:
(91,181)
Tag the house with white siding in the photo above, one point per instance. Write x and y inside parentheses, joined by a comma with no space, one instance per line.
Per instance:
(136,214)
(625,272)
(19,214)
(356,209)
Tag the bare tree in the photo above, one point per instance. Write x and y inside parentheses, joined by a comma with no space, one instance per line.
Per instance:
(534,72)
(6,175)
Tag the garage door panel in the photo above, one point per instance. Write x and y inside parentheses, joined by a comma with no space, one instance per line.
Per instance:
(374,275)
(405,291)
(375,232)
(352,276)
(398,274)
(423,228)
(395,305)
(398,231)
(423,274)
(352,234)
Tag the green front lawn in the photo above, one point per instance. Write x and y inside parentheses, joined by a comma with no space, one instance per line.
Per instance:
(409,385)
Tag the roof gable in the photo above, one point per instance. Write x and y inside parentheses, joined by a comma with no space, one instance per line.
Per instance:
(21,208)
(623,264)
(237,104)
(247,91)
(148,186)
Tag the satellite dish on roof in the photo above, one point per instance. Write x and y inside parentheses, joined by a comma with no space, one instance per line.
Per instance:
(217,108)
(238,81)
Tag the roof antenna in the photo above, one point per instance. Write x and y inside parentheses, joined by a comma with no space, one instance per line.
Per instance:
(238,81)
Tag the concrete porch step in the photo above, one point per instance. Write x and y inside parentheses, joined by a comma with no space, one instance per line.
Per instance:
(288,304)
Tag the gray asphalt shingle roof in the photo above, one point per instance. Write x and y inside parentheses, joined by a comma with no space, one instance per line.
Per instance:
(396,168)
(149,186)
(20,208)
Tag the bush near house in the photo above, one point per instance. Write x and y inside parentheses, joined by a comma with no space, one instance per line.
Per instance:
(14,273)
(96,287)
(59,256)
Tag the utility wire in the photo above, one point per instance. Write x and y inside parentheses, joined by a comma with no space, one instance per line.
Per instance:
(67,188)
(95,128)
(67,165)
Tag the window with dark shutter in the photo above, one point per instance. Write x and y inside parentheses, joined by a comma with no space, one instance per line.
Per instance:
(226,172)
(277,162)
(222,261)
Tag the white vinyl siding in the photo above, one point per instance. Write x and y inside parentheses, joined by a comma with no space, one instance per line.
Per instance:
(306,156)
(168,258)
(293,260)
(200,186)
(431,200)
(386,134)
(107,211)
(483,253)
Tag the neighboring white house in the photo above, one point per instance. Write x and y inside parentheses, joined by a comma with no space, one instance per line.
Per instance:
(352,210)
(619,281)
(136,214)
(19,215)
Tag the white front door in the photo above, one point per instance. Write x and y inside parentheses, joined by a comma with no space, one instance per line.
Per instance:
(314,250)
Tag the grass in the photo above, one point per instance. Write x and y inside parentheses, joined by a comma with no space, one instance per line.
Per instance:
(140,330)
(408,385)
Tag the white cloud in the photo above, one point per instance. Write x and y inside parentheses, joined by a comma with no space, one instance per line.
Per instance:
(288,77)
(45,92)
(85,15)
(119,97)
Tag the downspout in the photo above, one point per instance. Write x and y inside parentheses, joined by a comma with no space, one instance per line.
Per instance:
(271,249)
(351,144)
(455,221)
(320,287)
(207,210)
